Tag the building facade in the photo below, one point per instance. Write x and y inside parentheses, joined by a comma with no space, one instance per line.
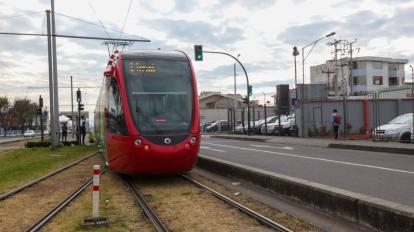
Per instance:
(368,74)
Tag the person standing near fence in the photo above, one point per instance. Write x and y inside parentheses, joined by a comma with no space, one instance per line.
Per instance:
(336,122)
(83,132)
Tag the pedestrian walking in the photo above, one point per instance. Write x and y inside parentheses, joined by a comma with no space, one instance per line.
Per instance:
(83,132)
(336,122)
(64,132)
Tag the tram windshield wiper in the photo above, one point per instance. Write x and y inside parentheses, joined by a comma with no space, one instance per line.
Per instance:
(146,121)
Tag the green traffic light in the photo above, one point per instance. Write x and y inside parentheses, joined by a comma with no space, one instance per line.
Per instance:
(199,56)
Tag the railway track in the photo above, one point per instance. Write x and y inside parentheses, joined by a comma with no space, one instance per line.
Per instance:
(160,227)
(48,216)
(33,182)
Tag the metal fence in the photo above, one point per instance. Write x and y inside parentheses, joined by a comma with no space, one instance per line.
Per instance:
(393,121)
(363,118)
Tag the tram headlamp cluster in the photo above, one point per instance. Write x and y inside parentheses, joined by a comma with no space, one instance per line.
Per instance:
(193,140)
(138,142)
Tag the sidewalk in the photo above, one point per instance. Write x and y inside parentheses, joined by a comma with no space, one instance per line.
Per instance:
(365,145)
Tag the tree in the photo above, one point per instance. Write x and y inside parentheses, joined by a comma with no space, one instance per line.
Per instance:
(4,110)
(24,111)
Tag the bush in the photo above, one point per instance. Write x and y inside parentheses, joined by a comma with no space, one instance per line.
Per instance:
(70,143)
(38,144)
(92,137)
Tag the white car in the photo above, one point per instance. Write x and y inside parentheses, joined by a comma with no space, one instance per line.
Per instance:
(29,133)
(400,128)
(271,127)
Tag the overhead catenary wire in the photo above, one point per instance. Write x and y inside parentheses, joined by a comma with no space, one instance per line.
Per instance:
(94,11)
(125,19)
(92,23)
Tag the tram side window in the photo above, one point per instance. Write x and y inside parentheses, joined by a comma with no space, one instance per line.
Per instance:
(116,119)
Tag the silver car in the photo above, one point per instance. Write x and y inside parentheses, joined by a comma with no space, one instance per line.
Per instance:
(400,128)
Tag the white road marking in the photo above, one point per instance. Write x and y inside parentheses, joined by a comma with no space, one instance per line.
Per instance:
(212,149)
(314,158)
(267,146)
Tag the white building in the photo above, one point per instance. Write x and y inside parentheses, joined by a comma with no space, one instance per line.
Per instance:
(368,74)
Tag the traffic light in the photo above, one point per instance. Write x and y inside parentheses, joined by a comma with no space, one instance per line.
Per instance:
(40,101)
(198,52)
(250,92)
(78,96)
(80,107)
(245,100)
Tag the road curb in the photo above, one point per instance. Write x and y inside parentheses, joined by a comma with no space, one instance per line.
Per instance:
(368,211)
(240,138)
(397,150)
(19,140)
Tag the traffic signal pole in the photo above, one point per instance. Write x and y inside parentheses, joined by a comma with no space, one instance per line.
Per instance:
(247,80)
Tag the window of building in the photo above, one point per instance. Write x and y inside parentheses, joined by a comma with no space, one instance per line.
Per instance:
(393,81)
(377,80)
(359,65)
(116,119)
(211,105)
(360,80)
(393,67)
(377,65)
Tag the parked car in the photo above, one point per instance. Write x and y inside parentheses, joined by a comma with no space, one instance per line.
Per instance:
(400,128)
(254,127)
(218,126)
(257,129)
(29,133)
(271,127)
(204,125)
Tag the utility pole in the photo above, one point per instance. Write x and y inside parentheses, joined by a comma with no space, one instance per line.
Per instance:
(234,99)
(80,108)
(350,50)
(71,100)
(328,72)
(51,98)
(41,117)
(55,78)
(335,80)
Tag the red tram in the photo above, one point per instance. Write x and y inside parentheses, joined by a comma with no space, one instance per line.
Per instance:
(147,116)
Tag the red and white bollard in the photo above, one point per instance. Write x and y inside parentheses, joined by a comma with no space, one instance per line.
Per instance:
(95,220)
(95,191)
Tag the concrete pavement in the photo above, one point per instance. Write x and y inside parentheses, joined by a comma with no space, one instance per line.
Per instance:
(365,145)
(375,181)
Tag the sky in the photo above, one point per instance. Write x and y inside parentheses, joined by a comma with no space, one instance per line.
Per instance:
(262,32)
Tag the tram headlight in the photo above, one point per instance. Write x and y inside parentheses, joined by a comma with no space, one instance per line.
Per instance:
(193,140)
(138,142)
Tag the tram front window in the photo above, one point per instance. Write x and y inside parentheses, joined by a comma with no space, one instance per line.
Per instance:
(160,95)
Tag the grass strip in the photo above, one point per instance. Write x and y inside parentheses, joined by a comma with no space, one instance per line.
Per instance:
(22,165)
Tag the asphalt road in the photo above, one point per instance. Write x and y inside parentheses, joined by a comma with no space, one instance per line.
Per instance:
(380,175)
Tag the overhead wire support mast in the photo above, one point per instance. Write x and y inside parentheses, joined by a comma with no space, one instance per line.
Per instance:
(76,37)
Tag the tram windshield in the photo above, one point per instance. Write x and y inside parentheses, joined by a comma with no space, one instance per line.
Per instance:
(160,95)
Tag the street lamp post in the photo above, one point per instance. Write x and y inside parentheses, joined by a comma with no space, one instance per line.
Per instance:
(313,44)
(295,54)
(412,96)
(234,98)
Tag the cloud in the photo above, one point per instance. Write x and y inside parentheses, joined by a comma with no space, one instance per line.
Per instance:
(305,33)
(248,4)
(364,25)
(185,5)
(198,31)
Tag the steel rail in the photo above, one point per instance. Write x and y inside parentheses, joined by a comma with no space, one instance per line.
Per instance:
(46,218)
(152,216)
(14,191)
(262,219)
